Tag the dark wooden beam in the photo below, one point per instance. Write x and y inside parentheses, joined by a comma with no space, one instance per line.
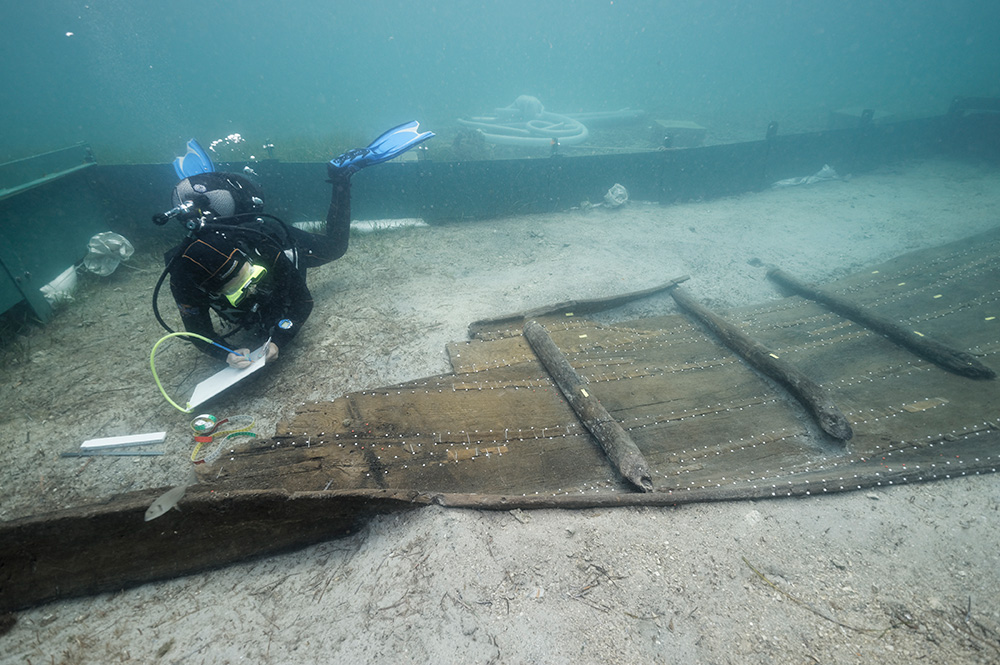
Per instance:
(811,395)
(943,356)
(617,444)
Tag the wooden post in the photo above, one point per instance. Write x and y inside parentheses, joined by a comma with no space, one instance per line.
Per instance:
(812,396)
(570,307)
(927,348)
(617,444)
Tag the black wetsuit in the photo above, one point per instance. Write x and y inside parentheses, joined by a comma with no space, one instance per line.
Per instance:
(282,295)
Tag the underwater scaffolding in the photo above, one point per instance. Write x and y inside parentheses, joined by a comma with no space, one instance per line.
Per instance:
(881,378)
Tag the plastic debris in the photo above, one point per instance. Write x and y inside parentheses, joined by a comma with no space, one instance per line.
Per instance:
(61,289)
(825,173)
(617,196)
(106,251)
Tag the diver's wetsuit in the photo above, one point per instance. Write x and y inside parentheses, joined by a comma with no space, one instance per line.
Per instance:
(282,294)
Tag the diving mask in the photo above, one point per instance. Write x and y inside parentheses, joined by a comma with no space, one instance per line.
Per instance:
(238,291)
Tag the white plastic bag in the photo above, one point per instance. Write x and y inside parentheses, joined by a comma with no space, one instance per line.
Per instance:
(107,250)
(616,196)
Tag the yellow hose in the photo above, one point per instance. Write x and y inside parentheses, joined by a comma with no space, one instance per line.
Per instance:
(152,365)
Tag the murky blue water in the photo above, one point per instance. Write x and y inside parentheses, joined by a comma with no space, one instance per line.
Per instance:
(136,79)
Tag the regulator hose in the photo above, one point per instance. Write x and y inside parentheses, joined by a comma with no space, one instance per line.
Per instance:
(215,225)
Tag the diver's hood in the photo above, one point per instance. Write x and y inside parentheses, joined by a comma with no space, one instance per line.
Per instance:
(225,194)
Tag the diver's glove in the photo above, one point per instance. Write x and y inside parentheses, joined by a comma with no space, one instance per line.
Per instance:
(339,175)
(391,144)
(349,163)
(271,352)
(240,359)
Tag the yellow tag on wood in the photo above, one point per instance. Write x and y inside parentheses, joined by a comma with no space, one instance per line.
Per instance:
(923,405)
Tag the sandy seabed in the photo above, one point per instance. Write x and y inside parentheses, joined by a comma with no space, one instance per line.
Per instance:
(903,575)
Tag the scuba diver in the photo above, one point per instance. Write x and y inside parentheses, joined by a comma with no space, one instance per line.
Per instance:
(247,266)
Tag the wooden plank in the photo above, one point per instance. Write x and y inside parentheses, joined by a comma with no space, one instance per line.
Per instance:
(112,547)
(504,437)
(572,308)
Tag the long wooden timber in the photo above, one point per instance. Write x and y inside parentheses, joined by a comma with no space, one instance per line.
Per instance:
(497,432)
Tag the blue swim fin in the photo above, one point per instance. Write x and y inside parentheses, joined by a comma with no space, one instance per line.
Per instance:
(193,162)
(394,142)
